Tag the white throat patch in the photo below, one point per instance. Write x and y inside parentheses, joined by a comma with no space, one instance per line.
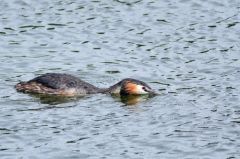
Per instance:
(140,90)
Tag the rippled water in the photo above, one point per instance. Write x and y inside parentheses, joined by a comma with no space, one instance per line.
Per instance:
(187,50)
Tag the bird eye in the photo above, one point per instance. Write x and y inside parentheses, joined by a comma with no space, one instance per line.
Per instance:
(144,88)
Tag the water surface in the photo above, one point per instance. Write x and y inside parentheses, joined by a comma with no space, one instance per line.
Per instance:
(186,50)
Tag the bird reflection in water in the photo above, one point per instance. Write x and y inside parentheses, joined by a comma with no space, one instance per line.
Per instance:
(55,100)
(133,99)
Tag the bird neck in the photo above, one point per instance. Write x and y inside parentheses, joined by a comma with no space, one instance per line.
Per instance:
(114,89)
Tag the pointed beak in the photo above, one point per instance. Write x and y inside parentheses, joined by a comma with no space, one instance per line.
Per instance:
(152,92)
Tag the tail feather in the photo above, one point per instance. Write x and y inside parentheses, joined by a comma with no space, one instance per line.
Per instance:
(21,86)
(32,87)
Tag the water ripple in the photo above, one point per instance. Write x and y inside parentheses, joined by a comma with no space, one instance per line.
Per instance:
(186,50)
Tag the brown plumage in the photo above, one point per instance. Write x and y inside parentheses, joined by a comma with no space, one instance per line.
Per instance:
(34,87)
(68,85)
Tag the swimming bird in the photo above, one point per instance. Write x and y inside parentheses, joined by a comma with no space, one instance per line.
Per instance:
(68,85)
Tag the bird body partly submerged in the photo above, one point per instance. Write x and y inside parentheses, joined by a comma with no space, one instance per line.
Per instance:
(68,85)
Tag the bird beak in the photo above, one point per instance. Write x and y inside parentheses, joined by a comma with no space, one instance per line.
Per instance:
(152,92)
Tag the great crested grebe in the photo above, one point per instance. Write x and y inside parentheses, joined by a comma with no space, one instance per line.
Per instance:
(68,85)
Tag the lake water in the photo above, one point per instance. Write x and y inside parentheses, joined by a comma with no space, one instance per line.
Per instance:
(187,50)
